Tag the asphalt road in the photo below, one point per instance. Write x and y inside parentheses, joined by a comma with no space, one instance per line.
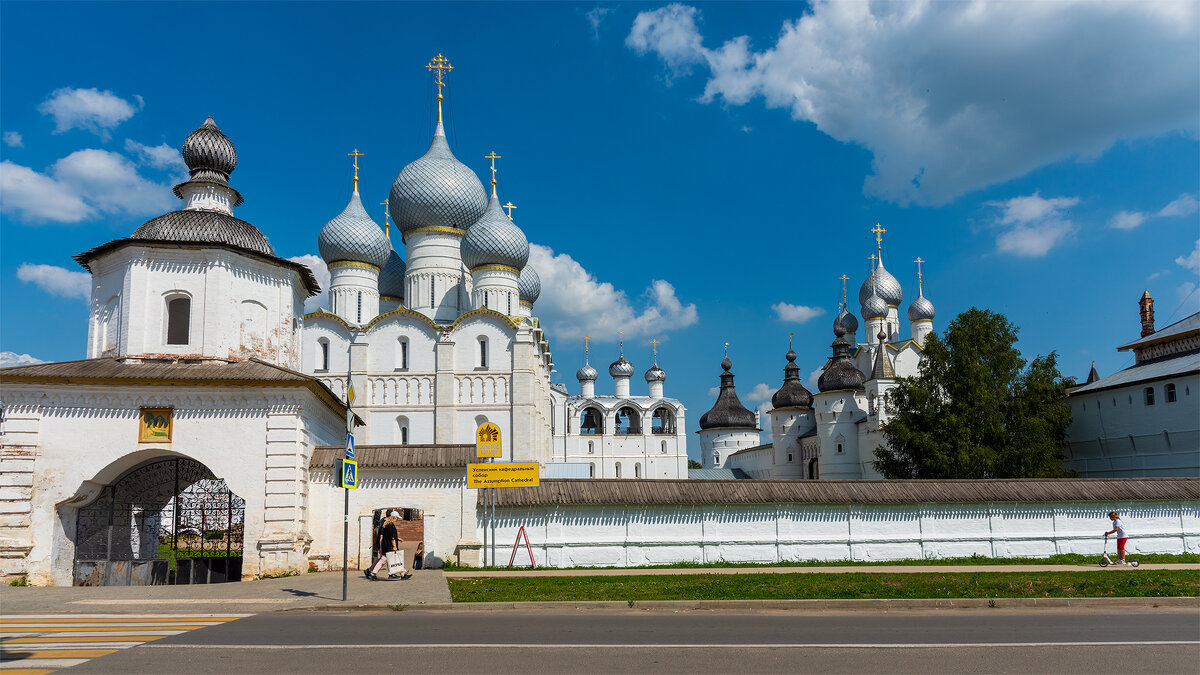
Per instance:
(1134,640)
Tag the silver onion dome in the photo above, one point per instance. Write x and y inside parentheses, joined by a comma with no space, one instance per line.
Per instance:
(845,322)
(921,309)
(436,190)
(587,373)
(875,307)
(529,286)
(884,284)
(620,368)
(656,374)
(391,279)
(352,236)
(210,158)
(495,240)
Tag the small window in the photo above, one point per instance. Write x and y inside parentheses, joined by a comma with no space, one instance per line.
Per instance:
(483,360)
(403,435)
(1149,392)
(591,448)
(789,457)
(402,362)
(359,319)
(664,446)
(431,292)
(485,302)
(839,448)
(323,359)
(179,316)
(637,470)
(510,305)
(618,470)
(1171,393)
(591,470)
(716,458)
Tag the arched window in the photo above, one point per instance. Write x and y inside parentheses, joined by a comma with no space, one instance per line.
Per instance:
(637,470)
(1170,392)
(402,429)
(618,470)
(483,353)
(510,304)
(591,448)
(1149,395)
(591,422)
(179,318)
(323,354)
(592,470)
(664,446)
(359,319)
(716,458)
(813,473)
(628,421)
(402,354)
(662,421)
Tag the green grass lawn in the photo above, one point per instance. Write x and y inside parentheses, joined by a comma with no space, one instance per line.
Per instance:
(1119,582)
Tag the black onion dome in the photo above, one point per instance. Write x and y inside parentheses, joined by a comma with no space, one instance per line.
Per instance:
(391,278)
(841,373)
(210,158)
(792,394)
(846,322)
(728,412)
(205,227)
(436,190)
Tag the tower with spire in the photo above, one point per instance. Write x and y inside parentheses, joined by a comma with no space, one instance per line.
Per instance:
(793,425)
(495,252)
(356,251)
(728,426)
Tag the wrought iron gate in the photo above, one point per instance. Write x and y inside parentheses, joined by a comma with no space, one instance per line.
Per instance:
(169,521)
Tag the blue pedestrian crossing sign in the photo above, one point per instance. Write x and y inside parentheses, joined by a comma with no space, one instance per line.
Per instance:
(349,446)
(348,474)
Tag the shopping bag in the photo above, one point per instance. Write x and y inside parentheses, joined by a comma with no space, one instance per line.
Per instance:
(395,562)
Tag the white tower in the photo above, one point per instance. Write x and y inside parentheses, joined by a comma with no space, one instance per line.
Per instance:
(792,418)
(655,376)
(728,426)
(495,250)
(882,283)
(621,370)
(587,374)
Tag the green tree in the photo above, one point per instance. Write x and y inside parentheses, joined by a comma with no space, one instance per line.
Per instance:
(693,464)
(975,411)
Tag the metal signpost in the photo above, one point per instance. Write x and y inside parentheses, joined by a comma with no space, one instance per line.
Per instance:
(348,479)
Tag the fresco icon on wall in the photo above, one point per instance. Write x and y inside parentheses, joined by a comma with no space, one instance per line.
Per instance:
(155,425)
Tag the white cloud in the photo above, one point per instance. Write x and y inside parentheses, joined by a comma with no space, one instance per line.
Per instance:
(1127,220)
(321,271)
(713,391)
(1191,261)
(796,313)
(595,16)
(953,96)
(813,377)
(160,156)
(761,392)
(1032,225)
(88,109)
(1189,300)
(57,280)
(79,186)
(14,359)
(1185,205)
(13,140)
(38,197)
(574,303)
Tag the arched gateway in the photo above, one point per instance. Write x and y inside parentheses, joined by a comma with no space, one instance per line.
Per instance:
(167,521)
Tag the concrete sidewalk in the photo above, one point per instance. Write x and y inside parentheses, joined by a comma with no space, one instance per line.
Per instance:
(838,569)
(319,589)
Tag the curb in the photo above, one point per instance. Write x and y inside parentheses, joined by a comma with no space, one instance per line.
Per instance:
(859,604)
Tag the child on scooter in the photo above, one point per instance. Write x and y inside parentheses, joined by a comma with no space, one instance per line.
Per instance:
(1122,536)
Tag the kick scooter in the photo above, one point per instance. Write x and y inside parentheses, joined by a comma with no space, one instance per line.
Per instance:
(1105,562)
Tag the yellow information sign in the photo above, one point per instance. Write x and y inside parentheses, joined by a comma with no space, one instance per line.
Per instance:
(487,440)
(502,474)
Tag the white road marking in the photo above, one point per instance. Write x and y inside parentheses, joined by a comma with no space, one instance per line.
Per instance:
(779,645)
(184,601)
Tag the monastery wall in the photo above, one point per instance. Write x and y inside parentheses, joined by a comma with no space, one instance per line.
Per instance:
(589,535)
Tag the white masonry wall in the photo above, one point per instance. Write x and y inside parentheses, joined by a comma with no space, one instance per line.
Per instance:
(586,535)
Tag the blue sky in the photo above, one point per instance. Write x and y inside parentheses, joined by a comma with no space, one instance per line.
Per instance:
(696,173)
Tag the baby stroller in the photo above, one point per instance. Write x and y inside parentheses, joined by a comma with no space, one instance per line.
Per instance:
(1105,562)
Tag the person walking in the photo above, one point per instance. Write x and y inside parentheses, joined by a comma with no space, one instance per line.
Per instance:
(388,541)
(1122,535)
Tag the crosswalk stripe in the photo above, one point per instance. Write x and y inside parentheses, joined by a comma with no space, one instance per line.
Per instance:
(42,644)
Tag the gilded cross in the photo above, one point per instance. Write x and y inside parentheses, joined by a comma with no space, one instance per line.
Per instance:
(621,341)
(790,341)
(510,206)
(442,65)
(586,340)
(726,350)
(843,278)
(493,156)
(918,261)
(387,219)
(878,230)
(655,347)
(356,154)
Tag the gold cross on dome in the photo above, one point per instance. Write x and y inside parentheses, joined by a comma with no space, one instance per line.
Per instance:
(356,154)
(387,219)
(493,156)
(510,206)
(843,278)
(621,341)
(878,230)
(726,350)
(586,340)
(442,65)
(655,347)
(918,261)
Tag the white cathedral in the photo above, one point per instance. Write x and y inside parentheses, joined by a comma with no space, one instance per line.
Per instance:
(831,434)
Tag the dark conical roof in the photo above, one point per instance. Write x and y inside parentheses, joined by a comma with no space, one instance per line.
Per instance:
(204,226)
(841,373)
(1093,375)
(792,394)
(728,411)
